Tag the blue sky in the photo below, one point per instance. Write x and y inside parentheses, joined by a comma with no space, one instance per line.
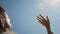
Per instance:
(23,15)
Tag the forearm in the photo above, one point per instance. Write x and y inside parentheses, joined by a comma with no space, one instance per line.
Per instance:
(49,30)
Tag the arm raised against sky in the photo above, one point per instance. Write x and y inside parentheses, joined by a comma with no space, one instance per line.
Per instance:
(45,22)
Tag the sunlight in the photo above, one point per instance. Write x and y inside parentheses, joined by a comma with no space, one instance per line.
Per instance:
(53,2)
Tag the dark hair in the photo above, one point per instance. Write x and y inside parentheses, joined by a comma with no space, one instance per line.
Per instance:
(2,11)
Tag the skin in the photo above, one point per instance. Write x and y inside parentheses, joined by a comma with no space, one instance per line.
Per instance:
(45,22)
(2,21)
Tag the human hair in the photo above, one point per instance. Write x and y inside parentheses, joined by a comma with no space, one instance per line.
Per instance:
(2,11)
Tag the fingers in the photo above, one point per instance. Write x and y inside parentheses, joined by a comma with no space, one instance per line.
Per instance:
(39,18)
(42,17)
(47,18)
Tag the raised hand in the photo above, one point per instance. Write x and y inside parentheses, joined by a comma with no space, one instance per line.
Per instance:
(45,22)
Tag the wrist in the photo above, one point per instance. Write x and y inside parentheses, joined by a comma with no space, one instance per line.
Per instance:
(49,30)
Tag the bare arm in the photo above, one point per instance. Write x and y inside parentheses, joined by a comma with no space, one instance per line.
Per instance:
(45,22)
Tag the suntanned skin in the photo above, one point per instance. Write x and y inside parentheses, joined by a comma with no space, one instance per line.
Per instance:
(1,22)
(45,22)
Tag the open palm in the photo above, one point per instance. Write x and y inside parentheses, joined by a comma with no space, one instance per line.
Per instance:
(43,21)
